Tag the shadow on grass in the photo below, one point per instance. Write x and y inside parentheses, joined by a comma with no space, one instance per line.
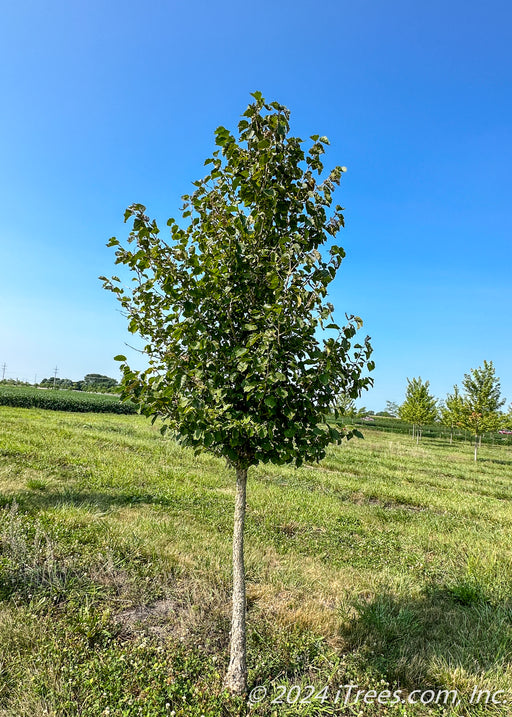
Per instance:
(424,642)
(498,461)
(41,499)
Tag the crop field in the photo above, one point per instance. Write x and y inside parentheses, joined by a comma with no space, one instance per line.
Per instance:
(387,566)
(63,400)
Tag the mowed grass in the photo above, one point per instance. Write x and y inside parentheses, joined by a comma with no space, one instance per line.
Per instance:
(387,566)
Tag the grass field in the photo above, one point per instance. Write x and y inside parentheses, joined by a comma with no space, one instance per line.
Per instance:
(436,430)
(388,565)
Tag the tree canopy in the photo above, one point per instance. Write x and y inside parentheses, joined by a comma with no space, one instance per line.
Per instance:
(451,410)
(392,408)
(100,380)
(231,307)
(419,407)
(482,390)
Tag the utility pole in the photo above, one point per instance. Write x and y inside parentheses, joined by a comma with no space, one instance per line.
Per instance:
(3,371)
(55,376)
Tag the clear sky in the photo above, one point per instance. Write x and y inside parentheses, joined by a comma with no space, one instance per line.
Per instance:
(109,103)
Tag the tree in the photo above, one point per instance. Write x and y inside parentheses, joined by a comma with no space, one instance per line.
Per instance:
(508,418)
(231,308)
(392,408)
(98,382)
(419,407)
(451,410)
(54,382)
(481,402)
(346,408)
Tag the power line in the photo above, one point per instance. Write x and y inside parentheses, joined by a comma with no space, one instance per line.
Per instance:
(55,376)
(3,371)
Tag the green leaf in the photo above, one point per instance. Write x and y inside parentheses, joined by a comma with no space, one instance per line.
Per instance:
(273,280)
(270,401)
(120,357)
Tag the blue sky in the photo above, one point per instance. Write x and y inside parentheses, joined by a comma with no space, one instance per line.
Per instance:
(105,104)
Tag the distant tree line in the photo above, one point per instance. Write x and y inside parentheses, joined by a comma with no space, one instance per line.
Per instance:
(13,382)
(92,382)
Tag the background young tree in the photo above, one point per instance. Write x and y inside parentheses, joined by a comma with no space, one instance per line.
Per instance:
(508,418)
(392,408)
(451,410)
(481,402)
(419,407)
(231,309)
(346,408)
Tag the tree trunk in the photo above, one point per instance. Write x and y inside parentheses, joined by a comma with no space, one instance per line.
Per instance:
(236,677)
(451,436)
(476,447)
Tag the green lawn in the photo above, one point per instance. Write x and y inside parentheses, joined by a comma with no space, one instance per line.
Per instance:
(386,563)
